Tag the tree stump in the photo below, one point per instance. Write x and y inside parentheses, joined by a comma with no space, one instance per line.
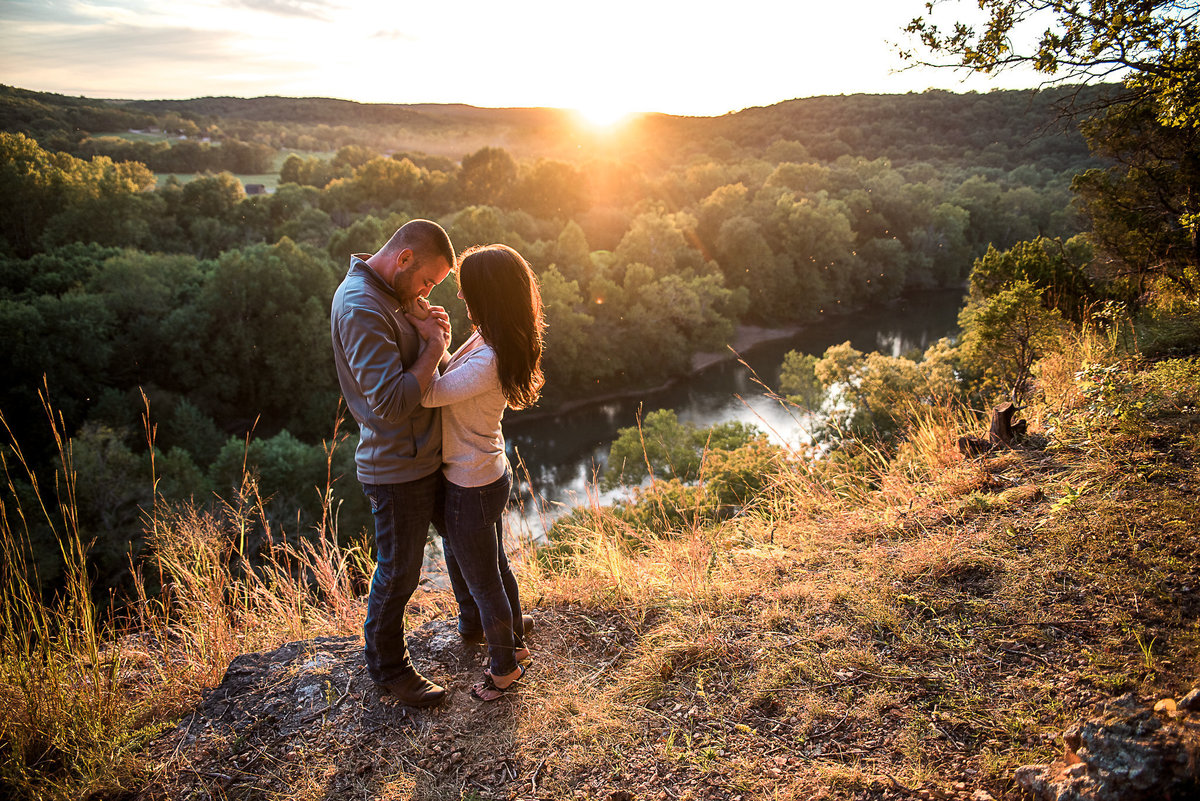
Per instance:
(1002,433)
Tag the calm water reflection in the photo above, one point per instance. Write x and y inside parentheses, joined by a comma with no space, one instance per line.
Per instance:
(563,454)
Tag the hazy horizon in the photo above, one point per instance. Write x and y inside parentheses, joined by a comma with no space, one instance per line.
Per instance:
(626,57)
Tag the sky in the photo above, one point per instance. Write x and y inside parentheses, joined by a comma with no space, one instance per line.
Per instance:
(696,58)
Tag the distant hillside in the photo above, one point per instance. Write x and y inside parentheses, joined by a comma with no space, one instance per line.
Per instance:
(328,111)
(1002,129)
(933,125)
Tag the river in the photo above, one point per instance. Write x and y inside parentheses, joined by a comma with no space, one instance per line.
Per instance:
(556,458)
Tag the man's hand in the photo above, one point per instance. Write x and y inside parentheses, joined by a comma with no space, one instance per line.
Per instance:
(434,327)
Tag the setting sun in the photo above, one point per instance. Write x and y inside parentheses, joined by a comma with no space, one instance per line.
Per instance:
(602,115)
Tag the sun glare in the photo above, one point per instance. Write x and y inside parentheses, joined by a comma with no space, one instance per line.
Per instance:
(601,115)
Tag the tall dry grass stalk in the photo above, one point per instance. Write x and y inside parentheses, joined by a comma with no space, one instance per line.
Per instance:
(77,690)
(1101,339)
(63,714)
(218,601)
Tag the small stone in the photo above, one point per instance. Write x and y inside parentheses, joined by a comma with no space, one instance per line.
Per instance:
(1165,705)
(1191,701)
(982,795)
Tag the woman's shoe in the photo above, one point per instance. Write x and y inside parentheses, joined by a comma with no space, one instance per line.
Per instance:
(489,690)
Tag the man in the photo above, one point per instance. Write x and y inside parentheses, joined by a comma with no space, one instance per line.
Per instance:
(385,360)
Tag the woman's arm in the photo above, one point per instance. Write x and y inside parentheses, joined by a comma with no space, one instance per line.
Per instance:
(474,375)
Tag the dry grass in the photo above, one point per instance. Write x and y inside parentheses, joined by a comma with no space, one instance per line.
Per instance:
(83,694)
(930,626)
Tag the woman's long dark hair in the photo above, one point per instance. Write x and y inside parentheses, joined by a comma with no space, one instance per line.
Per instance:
(502,295)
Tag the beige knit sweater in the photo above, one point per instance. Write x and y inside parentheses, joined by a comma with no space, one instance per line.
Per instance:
(468,390)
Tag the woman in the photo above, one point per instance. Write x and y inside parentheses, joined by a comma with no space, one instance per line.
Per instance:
(498,367)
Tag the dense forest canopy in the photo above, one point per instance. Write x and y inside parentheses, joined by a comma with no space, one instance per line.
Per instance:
(116,282)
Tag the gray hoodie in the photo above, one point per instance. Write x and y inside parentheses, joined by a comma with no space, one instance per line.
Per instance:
(400,440)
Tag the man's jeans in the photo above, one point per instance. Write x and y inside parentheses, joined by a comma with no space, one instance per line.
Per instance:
(402,514)
(475,534)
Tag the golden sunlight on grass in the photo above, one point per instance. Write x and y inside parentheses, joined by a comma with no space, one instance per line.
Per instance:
(925,628)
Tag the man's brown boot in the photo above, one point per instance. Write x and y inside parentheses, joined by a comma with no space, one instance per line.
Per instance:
(413,689)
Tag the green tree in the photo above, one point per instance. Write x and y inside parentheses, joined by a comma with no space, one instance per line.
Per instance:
(482,225)
(798,380)
(552,189)
(94,201)
(143,292)
(351,157)
(1006,332)
(571,349)
(670,448)
(572,254)
(770,280)
(265,334)
(382,182)
(661,242)
(289,476)
(487,176)
(1050,264)
(1145,209)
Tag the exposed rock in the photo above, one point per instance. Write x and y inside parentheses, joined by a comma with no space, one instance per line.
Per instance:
(1129,752)
(286,694)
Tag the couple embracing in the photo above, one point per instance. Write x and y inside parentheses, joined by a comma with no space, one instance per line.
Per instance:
(431,448)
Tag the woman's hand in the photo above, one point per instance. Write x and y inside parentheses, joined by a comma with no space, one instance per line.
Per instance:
(436,326)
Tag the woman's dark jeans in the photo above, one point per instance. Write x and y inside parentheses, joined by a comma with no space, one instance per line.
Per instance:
(475,534)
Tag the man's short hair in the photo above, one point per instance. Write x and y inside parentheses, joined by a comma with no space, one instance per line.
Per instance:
(427,239)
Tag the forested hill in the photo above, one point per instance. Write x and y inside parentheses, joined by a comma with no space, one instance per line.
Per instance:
(932,126)
(999,129)
(285,109)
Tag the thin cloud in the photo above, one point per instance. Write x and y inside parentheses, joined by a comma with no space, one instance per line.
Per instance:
(309,9)
(136,46)
(61,11)
(395,36)
(132,61)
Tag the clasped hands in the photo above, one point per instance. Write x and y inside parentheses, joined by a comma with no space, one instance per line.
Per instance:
(434,329)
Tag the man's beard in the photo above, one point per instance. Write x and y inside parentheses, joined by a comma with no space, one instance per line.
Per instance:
(402,287)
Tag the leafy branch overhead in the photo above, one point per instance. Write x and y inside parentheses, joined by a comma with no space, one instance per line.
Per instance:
(1151,46)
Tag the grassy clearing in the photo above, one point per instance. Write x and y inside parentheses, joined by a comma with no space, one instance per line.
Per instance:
(143,136)
(269,180)
(931,626)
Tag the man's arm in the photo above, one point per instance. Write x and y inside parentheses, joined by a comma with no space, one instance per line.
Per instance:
(391,389)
